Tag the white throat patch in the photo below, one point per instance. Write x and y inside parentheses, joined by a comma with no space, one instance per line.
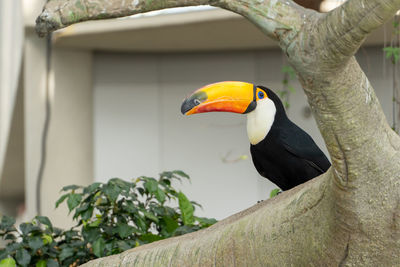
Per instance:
(260,120)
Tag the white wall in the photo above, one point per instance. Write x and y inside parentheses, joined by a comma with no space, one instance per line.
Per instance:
(139,130)
(69,149)
(70,144)
(11,44)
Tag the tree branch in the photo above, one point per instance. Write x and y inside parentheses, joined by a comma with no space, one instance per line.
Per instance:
(255,237)
(348,25)
(340,95)
(274,17)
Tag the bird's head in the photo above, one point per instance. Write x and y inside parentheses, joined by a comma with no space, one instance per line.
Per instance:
(260,103)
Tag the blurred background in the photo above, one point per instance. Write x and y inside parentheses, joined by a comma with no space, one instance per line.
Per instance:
(102,99)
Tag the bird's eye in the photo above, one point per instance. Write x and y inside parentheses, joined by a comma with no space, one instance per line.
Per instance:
(260,95)
(196,102)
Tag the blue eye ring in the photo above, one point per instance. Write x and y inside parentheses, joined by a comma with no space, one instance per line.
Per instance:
(260,95)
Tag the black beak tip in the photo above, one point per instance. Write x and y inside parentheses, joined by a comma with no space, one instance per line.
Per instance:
(193,101)
(186,106)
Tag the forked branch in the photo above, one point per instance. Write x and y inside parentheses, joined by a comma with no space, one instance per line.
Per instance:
(348,25)
(272,16)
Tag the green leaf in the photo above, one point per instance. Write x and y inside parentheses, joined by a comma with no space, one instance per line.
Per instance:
(393,53)
(47,239)
(181,173)
(112,191)
(73,201)
(274,192)
(87,214)
(165,182)
(52,263)
(3,253)
(124,230)
(6,222)
(194,203)
(141,191)
(41,263)
(388,51)
(81,209)
(44,220)
(290,71)
(12,247)
(95,223)
(160,195)
(35,243)
(141,224)
(8,262)
(123,245)
(205,222)
(167,175)
(27,228)
(151,185)
(61,200)
(186,208)
(130,207)
(121,183)
(150,216)
(22,256)
(185,229)
(71,187)
(91,188)
(98,247)
(170,224)
(90,234)
(66,253)
(148,238)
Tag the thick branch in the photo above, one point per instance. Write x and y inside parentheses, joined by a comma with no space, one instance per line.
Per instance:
(348,25)
(346,108)
(273,17)
(295,228)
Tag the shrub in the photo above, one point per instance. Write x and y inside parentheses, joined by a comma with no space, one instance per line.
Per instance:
(111,217)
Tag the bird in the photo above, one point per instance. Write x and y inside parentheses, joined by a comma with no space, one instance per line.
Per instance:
(281,151)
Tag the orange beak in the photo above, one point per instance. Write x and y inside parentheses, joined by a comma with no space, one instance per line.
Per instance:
(237,97)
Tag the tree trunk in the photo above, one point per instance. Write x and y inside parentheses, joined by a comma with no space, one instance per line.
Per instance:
(349,216)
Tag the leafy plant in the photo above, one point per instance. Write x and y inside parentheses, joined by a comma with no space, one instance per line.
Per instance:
(33,242)
(111,217)
(392,53)
(288,75)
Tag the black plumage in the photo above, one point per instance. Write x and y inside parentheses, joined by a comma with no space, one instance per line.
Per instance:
(287,156)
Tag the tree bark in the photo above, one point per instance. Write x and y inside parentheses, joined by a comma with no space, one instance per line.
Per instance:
(349,216)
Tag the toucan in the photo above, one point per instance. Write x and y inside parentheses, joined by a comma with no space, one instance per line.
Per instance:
(281,151)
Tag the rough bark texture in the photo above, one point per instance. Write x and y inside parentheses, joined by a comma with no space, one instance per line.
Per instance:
(349,216)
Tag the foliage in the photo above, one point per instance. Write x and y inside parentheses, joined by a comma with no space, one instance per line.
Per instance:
(111,218)
(274,192)
(34,242)
(288,75)
(392,53)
